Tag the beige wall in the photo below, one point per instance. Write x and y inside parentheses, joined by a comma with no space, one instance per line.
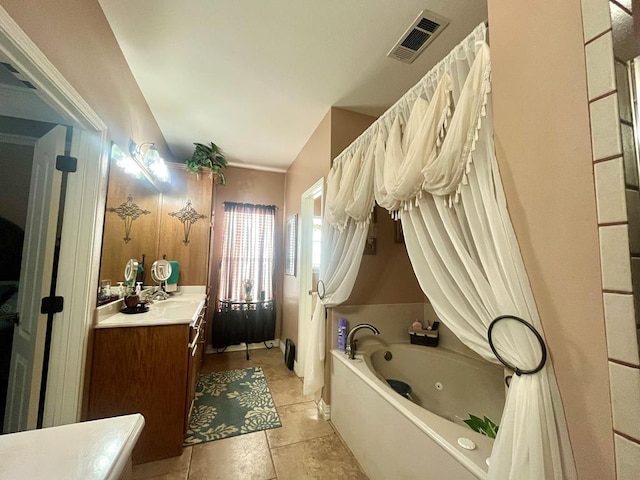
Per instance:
(346,126)
(386,277)
(249,186)
(542,139)
(76,38)
(312,163)
(335,132)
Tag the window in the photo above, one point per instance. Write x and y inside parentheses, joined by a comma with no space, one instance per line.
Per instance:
(247,252)
(316,246)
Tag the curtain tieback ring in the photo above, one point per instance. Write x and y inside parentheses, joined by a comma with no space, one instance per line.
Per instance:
(516,370)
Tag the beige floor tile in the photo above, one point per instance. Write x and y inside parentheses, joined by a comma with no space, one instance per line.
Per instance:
(277,372)
(318,459)
(271,356)
(219,362)
(179,475)
(287,391)
(271,362)
(300,421)
(160,467)
(245,457)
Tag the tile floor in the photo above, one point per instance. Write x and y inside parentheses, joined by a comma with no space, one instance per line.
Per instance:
(305,447)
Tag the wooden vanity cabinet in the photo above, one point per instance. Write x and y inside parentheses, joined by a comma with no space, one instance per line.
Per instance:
(150,370)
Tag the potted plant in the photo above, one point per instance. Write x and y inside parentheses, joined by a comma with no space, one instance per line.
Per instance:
(207,157)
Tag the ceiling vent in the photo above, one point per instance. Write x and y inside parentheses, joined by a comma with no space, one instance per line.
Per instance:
(420,34)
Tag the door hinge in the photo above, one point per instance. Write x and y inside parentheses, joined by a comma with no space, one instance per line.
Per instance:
(52,305)
(66,164)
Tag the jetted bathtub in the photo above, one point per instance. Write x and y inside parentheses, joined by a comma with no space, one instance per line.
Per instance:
(416,437)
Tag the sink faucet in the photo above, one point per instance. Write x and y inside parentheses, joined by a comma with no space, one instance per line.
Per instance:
(158,294)
(350,351)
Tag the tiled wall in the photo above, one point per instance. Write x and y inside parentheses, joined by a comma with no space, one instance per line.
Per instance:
(618,202)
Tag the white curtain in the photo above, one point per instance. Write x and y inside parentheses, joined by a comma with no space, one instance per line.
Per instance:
(348,205)
(342,250)
(467,262)
(434,166)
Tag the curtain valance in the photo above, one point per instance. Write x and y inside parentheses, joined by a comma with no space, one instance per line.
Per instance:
(422,144)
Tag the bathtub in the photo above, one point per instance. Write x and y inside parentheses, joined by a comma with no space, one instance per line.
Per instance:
(395,437)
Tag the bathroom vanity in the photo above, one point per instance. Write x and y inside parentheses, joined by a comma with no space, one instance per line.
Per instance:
(148,363)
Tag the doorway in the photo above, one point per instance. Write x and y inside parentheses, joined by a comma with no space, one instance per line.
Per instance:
(18,212)
(32,89)
(311,208)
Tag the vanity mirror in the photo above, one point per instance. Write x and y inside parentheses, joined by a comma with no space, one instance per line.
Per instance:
(131,272)
(131,223)
(145,223)
(160,272)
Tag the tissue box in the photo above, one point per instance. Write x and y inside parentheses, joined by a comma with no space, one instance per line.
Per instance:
(428,338)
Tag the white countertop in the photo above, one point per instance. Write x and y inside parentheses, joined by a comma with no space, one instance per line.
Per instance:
(99,449)
(178,309)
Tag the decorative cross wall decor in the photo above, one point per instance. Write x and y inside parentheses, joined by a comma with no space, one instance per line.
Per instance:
(128,212)
(188,216)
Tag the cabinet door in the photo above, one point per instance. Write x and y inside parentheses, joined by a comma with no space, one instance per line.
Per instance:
(143,370)
(185,221)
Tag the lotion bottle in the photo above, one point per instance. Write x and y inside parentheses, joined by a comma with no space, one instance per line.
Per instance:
(342,334)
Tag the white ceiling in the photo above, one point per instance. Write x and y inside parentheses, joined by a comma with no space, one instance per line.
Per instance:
(257,77)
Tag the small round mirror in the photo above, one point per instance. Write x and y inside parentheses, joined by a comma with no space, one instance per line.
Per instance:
(160,271)
(130,271)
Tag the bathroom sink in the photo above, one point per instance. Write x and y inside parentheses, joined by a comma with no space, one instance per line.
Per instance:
(173,308)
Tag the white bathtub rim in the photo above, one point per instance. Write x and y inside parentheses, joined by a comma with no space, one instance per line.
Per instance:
(405,407)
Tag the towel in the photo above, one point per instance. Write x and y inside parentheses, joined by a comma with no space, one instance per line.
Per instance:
(172,282)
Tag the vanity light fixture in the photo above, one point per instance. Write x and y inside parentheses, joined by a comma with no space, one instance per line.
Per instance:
(150,159)
(125,162)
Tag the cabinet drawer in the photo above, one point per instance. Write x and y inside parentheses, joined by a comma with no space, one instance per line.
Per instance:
(196,333)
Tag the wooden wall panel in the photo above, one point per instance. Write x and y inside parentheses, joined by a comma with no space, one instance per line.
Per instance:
(191,252)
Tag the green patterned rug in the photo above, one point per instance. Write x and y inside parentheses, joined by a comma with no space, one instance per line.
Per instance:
(231,403)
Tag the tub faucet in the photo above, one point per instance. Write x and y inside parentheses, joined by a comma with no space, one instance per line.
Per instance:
(350,351)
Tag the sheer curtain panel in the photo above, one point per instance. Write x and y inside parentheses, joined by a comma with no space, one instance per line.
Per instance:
(247,252)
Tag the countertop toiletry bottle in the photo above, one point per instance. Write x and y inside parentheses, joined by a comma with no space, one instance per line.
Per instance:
(138,288)
(416,326)
(342,334)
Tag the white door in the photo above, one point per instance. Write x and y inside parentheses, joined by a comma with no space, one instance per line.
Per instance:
(305,268)
(35,283)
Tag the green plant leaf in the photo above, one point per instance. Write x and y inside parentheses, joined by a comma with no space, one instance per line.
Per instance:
(207,157)
(485,425)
